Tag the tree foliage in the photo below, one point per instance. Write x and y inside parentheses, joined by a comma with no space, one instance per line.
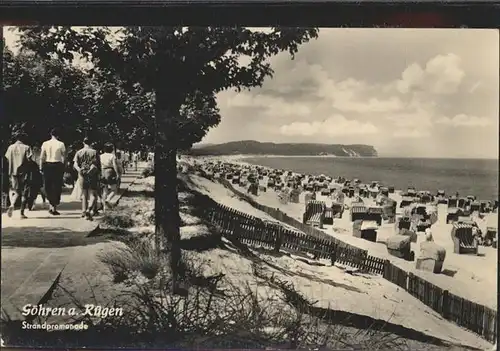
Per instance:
(43,92)
(179,63)
(184,67)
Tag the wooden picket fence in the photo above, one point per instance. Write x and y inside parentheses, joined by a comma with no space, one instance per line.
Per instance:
(472,316)
(254,231)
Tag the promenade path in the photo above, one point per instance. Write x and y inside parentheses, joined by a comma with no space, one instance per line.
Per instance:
(36,250)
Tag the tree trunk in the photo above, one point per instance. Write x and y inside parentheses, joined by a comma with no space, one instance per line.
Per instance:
(167,220)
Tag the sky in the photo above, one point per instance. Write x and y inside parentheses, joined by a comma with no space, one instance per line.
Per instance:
(407,92)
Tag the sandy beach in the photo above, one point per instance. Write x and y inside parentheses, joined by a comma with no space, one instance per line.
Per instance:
(362,294)
(464,275)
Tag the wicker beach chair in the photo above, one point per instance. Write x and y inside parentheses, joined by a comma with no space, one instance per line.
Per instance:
(326,191)
(453,214)
(462,202)
(337,210)
(295,196)
(463,240)
(452,202)
(425,197)
(356,228)
(491,236)
(361,192)
(429,265)
(431,257)
(328,220)
(284,197)
(485,207)
(253,189)
(373,192)
(400,246)
(407,232)
(389,209)
(365,230)
(411,191)
(471,198)
(420,210)
(403,223)
(309,196)
(375,214)
(406,201)
(475,206)
(315,213)
(348,191)
(422,225)
(358,213)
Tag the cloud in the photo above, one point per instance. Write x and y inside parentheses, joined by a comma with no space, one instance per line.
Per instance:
(271,106)
(463,120)
(336,125)
(442,75)
(410,134)
(390,88)
(474,87)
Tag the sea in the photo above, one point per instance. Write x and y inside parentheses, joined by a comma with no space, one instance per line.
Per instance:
(477,177)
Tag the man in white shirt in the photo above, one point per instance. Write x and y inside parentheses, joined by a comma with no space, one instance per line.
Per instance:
(52,161)
(135,159)
(18,156)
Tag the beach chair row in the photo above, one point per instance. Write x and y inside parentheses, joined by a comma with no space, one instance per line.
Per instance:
(477,318)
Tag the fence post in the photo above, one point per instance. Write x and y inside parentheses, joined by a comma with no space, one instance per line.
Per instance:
(333,255)
(386,269)
(236,228)
(446,304)
(279,238)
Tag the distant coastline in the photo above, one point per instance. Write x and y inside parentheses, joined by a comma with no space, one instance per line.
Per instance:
(355,157)
(270,149)
(477,177)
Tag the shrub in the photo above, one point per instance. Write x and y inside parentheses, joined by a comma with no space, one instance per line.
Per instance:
(118,217)
(219,314)
(149,171)
(137,256)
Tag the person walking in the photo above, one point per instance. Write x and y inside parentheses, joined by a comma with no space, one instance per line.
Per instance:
(125,157)
(52,160)
(110,173)
(87,164)
(35,180)
(18,156)
(121,168)
(135,159)
(98,205)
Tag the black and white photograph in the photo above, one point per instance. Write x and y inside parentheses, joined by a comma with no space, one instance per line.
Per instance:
(250,188)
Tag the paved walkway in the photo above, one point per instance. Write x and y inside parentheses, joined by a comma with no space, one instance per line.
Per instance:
(28,270)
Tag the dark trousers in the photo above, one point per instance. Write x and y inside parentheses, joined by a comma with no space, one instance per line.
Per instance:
(53,173)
